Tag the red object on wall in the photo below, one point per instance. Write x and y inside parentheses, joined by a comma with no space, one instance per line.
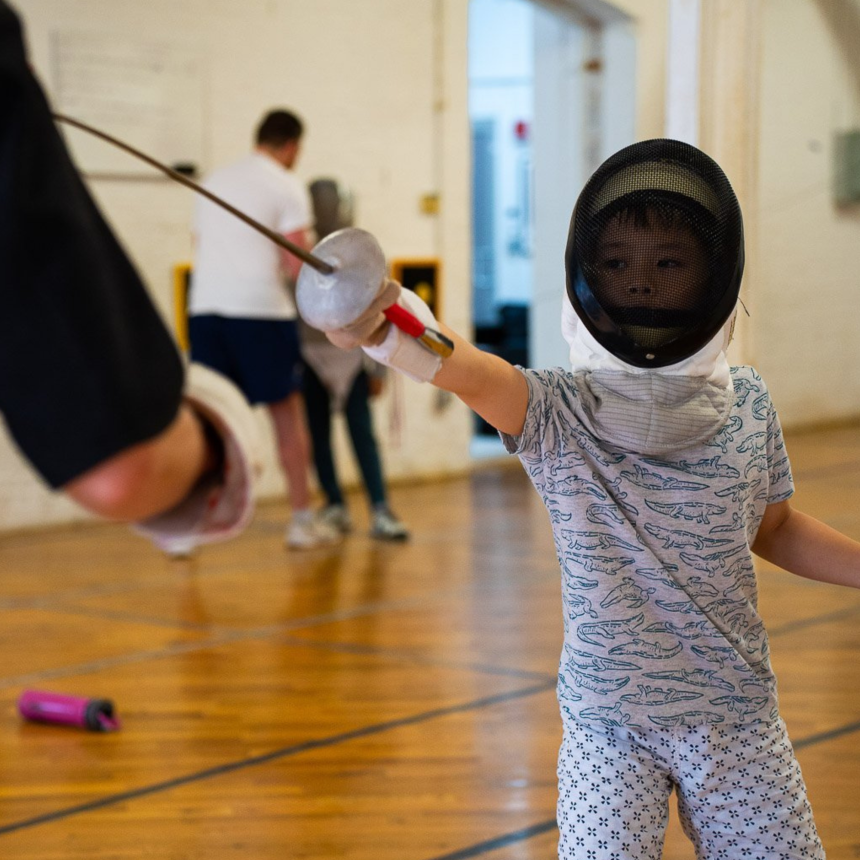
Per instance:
(521,130)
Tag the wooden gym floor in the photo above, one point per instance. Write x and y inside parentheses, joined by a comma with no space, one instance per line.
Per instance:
(373,702)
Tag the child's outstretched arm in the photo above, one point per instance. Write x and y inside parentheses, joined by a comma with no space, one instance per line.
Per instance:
(489,385)
(807,547)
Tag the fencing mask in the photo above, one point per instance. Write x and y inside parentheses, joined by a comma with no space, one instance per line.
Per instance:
(333,206)
(655,253)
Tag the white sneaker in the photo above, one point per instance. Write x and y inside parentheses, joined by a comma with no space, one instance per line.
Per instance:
(336,516)
(178,546)
(386,526)
(308,533)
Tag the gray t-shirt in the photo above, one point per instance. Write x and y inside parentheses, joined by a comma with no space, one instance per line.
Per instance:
(659,591)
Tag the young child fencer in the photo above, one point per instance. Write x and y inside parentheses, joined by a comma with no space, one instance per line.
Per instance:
(663,471)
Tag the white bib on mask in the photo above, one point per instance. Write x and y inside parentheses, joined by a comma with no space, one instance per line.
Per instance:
(644,411)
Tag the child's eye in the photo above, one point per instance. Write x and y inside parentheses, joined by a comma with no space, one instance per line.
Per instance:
(668,263)
(615,264)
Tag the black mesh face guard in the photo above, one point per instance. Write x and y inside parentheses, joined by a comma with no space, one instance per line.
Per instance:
(655,253)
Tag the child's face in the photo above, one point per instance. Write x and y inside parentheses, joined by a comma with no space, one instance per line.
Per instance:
(650,265)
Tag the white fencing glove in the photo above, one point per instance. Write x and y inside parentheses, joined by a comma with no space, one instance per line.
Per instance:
(385,342)
(221,504)
(371,326)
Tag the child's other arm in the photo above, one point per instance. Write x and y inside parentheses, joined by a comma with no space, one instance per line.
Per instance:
(807,547)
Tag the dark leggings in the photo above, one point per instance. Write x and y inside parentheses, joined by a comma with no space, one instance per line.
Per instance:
(360,425)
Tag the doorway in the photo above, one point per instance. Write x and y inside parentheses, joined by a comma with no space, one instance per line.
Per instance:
(550,96)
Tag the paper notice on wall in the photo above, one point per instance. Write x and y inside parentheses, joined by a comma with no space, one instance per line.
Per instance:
(146,92)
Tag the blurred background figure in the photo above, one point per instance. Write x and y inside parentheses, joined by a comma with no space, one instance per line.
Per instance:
(343,381)
(242,314)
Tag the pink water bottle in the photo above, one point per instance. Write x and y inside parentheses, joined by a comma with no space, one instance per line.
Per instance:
(97,715)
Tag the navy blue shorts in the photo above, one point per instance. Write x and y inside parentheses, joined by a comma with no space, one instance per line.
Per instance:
(261,356)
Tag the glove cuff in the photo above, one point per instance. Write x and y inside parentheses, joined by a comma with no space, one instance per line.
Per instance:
(402,351)
(221,504)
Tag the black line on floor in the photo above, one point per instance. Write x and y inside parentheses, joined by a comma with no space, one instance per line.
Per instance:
(501,841)
(821,737)
(124,617)
(285,752)
(221,636)
(813,621)
(416,658)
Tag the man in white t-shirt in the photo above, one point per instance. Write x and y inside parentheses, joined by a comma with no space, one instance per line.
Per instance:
(242,314)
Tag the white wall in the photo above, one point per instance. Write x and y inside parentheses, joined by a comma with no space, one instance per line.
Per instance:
(381,85)
(805,330)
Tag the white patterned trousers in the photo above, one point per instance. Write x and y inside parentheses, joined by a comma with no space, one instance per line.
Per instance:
(740,793)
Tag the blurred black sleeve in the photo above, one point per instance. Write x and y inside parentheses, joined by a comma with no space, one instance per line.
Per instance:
(87,367)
